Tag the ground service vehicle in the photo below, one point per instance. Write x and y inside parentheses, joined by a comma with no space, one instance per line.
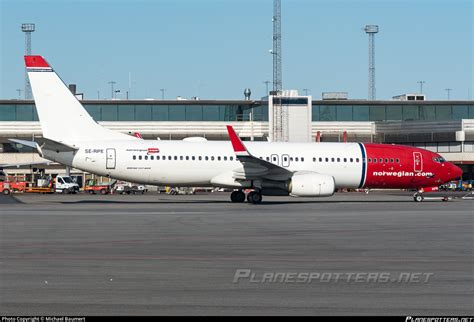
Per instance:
(93,187)
(65,184)
(123,187)
(12,186)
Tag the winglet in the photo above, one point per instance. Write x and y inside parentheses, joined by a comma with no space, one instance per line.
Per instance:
(239,147)
(36,62)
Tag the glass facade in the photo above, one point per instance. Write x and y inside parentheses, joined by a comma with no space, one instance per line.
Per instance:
(241,111)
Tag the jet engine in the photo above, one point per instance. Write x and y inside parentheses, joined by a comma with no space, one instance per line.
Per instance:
(311,184)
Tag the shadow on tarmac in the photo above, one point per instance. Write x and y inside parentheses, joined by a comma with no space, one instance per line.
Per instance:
(229,202)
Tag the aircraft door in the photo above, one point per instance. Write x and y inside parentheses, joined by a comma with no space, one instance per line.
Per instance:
(275,159)
(417,162)
(110,160)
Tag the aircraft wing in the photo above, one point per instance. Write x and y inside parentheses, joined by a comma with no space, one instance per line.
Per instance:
(253,167)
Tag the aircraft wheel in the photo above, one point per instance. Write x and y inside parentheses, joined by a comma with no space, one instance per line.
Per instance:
(254,197)
(237,196)
(418,198)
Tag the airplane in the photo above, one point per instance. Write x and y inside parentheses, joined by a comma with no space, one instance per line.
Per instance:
(73,138)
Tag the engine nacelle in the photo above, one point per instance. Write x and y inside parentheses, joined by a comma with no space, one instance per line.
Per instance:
(311,184)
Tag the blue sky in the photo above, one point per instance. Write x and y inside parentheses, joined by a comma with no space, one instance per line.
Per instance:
(215,48)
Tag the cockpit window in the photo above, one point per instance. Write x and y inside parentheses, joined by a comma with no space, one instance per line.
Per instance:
(439,159)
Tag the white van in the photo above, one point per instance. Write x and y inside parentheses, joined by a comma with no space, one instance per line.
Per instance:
(65,184)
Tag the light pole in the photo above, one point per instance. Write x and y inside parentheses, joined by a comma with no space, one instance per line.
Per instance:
(421,85)
(163,90)
(116,92)
(448,90)
(267,82)
(28,29)
(19,93)
(305,90)
(112,83)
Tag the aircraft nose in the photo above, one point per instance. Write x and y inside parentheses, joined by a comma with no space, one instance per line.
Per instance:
(457,171)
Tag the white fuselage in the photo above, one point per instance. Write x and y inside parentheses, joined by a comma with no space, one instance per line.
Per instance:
(182,163)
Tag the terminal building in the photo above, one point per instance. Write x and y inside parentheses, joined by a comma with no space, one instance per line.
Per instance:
(446,127)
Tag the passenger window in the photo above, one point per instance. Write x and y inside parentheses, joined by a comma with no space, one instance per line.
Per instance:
(267,158)
(152,158)
(338,159)
(302,159)
(327,159)
(200,158)
(181,158)
(369,160)
(296,159)
(157,157)
(225,158)
(398,160)
(314,159)
(375,160)
(345,159)
(381,160)
(351,159)
(187,158)
(193,158)
(139,157)
(391,160)
(134,157)
(175,157)
(212,158)
(332,159)
(207,158)
(320,159)
(386,160)
(231,158)
(218,158)
(146,157)
(169,157)
(357,160)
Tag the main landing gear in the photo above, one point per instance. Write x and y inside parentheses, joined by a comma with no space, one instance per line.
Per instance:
(254,196)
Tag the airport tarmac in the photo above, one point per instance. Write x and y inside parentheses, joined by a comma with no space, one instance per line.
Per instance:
(160,254)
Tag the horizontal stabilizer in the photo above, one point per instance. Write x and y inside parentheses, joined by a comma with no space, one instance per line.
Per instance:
(47,144)
(23,165)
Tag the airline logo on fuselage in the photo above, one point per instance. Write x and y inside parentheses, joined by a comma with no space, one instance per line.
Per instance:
(153,150)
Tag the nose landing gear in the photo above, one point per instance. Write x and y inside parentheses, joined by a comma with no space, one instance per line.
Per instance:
(418,197)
